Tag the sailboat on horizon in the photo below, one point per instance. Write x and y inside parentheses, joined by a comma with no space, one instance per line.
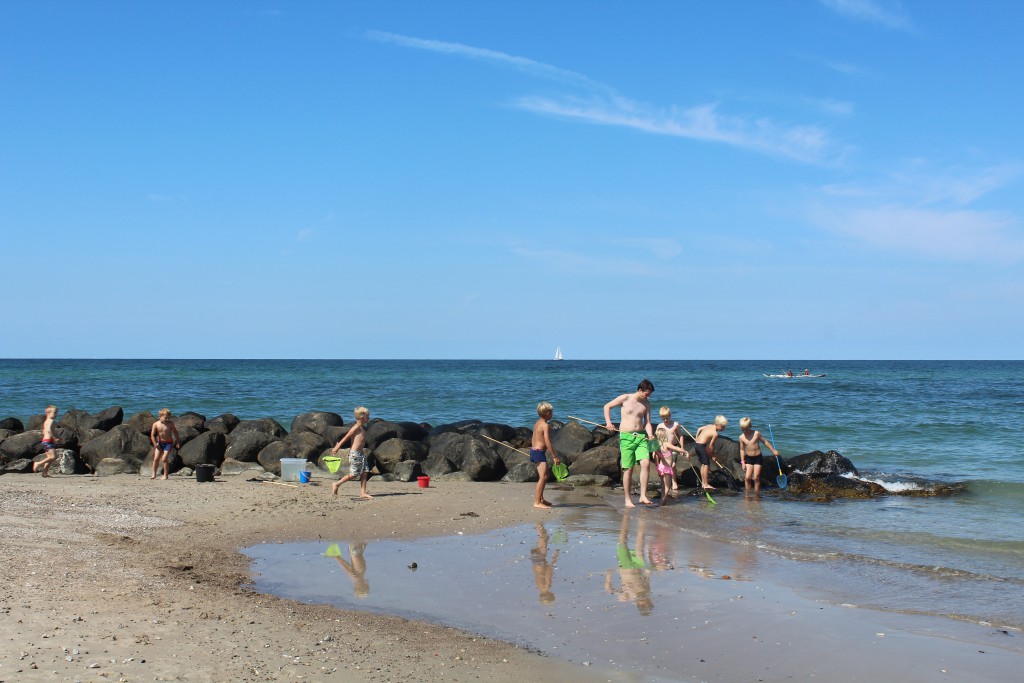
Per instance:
(558,353)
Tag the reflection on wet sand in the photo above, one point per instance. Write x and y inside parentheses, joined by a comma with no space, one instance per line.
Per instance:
(543,570)
(355,567)
(634,581)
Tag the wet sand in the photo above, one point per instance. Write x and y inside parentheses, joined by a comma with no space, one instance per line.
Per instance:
(124,579)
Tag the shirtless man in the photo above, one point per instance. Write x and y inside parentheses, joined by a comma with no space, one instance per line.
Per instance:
(705,447)
(634,423)
(163,436)
(48,443)
(750,454)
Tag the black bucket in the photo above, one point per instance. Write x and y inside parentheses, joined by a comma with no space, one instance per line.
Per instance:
(204,473)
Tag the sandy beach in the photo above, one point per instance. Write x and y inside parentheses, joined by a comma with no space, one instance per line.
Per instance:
(124,579)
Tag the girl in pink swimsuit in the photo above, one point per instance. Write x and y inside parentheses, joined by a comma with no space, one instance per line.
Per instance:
(664,461)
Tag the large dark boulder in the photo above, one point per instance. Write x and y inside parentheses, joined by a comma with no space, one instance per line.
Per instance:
(12,423)
(106,467)
(122,442)
(105,420)
(141,422)
(521,472)
(265,425)
(394,451)
(35,422)
(21,446)
(270,457)
(604,460)
(451,428)
(817,464)
(437,465)
(494,430)
(306,445)
(470,455)
(222,423)
(186,433)
(316,422)
(4,433)
(571,440)
(379,431)
(407,470)
(91,434)
(206,448)
(246,446)
(190,419)
(76,420)
(832,486)
(173,461)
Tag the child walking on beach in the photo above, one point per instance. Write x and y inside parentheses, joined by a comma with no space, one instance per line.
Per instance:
(704,446)
(666,461)
(750,454)
(48,443)
(675,437)
(163,436)
(357,465)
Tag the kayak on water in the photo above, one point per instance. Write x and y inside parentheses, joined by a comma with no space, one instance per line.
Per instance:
(792,376)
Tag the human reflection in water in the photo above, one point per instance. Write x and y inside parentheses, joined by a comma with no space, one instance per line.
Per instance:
(660,553)
(634,581)
(543,570)
(355,567)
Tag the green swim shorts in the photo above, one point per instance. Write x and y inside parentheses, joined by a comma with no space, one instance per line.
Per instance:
(629,559)
(633,448)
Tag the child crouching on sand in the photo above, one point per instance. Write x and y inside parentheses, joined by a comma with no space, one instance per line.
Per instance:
(357,465)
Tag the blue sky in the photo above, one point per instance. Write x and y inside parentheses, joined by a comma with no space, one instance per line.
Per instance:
(797,179)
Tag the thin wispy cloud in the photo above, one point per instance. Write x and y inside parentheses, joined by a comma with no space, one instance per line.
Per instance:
(523,64)
(916,183)
(810,144)
(832,107)
(958,236)
(602,105)
(919,211)
(871,11)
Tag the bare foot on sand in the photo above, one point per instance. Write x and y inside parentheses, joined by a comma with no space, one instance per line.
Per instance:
(629,503)
(334,488)
(708,486)
(645,501)
(365,495)
(543,505)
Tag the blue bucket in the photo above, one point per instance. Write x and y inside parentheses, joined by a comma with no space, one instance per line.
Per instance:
(303,476)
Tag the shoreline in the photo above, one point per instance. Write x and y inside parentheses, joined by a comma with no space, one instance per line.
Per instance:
(124,569)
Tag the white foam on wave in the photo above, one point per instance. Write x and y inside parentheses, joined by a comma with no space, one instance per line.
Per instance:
(891,486)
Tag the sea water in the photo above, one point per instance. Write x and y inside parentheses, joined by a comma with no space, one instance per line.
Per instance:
(902,423)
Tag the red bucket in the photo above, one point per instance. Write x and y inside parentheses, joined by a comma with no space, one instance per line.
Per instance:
(424,482)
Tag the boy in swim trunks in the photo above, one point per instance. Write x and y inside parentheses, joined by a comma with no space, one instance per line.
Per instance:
(750,454)
(49,443)
(705,447)
(163,436)
(538,446)
(635,422)
(356,456)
